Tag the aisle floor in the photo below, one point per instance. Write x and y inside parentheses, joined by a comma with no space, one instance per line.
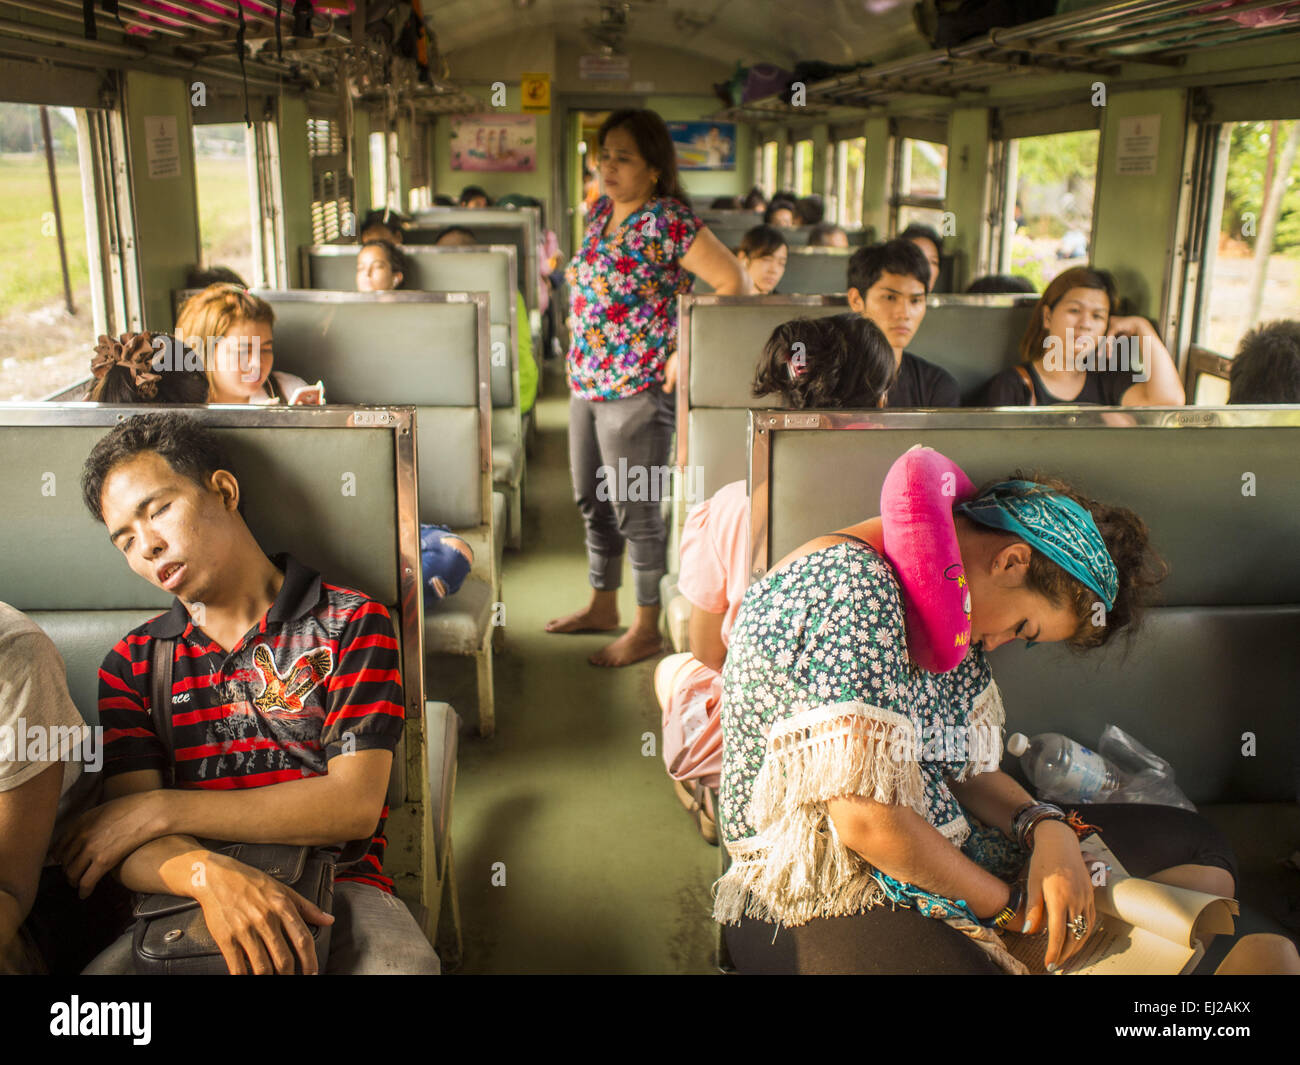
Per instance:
(603,871)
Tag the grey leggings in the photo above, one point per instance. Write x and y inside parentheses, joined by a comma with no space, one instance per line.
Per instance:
(618,456)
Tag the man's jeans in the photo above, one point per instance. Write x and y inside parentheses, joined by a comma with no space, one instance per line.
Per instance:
(374,934)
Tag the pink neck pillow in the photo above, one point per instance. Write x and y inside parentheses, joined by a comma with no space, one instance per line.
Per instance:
(920,542)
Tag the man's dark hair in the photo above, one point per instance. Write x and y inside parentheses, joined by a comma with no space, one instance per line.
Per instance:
(820,234)
(991,284)
(895,256)
(213,275)
(470,192)
(724,203)
(189,448)
(811,209)
(916,229)
(841,361)
(455,229)
(1267,366)
(754,198)
(382,216)
(443,200)
(761,241)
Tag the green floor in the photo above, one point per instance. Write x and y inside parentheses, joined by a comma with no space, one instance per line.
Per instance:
(603,870)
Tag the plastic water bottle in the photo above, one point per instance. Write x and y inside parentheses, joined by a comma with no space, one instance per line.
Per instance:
(1062,769)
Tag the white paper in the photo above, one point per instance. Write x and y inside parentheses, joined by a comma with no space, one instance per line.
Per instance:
(1139,144)
(162,146)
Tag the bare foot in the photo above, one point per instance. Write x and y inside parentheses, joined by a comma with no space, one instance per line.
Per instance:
(632,646)
(591,618)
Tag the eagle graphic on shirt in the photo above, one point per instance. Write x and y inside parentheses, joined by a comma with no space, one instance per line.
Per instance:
(287,692)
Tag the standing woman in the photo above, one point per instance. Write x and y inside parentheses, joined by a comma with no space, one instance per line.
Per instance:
(642,245)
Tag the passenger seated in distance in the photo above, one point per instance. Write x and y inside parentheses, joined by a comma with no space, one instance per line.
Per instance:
(460,237)
(44,928)
(931,244)
(887,283)
(724,203)
(381,267)
(1267,366)
(841,361)
(827,235)
(781,213)
(235,328)
(763,253)
(383,224)
(754,201)
(252,764)
(473,196)
(213,275)
(992,284)
(1070,355)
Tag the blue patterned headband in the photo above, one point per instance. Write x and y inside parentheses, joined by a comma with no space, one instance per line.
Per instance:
(1053,524)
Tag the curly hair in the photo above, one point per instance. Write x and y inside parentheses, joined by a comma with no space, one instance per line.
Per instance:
(842,361)
(1128,540)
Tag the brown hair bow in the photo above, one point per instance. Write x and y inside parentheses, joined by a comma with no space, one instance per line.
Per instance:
(133,351)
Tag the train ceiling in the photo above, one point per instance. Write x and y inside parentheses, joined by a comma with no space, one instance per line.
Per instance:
(384,51)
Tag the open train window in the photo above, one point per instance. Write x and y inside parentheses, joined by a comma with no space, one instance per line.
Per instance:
(378,169)
(850,177)
(803,167)
(920,183)
(1052,183)
(61,275)
(227,190)
(769,166)
(1250,268)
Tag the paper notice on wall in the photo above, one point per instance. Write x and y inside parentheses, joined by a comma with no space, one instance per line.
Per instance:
(162,146)
(1139,143)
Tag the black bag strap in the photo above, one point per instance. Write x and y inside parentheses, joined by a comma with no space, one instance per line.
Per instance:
(162,657)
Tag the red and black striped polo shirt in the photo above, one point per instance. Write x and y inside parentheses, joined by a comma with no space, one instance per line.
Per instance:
(318,677)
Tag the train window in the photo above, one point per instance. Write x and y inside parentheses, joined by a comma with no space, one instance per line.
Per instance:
(850,175)
(420,193)
(920,183)
(1053,179)
(226,190)
(332,210)
(47,310)
(1251,272)
(378,170)
(768,168)
(803,167)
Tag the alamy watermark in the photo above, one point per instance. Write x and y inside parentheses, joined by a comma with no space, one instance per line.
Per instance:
(1126,354)
(647,484)
(197,354)
(22,742)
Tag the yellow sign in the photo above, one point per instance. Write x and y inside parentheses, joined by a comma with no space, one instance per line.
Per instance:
(536,92)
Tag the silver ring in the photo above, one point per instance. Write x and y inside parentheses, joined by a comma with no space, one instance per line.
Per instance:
(1079,926)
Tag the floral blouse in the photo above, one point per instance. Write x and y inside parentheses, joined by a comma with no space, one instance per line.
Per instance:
(820,700)
(624,287)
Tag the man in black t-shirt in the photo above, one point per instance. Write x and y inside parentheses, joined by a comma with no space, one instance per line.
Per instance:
(888,284)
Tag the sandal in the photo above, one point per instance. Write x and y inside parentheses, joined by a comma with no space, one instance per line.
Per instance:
(699,802)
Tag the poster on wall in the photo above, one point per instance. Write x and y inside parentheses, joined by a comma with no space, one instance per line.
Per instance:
(503,143)
(704,145)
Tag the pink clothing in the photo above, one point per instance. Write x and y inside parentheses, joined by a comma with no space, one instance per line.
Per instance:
(714,576)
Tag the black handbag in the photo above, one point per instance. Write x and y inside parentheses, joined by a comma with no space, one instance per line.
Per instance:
(171,935)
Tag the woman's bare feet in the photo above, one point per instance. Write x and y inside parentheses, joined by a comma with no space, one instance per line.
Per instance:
(635,644)
(600,615)
(640,641)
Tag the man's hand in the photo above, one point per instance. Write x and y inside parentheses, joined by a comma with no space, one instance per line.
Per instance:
(670,373)
(102,838)
(258,923)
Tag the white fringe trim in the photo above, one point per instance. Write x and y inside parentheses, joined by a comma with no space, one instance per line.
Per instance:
(987,718)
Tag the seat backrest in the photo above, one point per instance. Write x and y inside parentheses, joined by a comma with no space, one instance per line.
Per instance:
(489,269)
(720,339)
(427,348)
(816,271)
(325,484)
(335,487)
(520,227)
(1217,490)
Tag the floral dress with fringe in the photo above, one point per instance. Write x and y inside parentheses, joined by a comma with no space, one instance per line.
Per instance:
(821,700)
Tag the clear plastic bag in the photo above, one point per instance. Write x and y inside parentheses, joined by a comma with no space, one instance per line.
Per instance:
(1146,777)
